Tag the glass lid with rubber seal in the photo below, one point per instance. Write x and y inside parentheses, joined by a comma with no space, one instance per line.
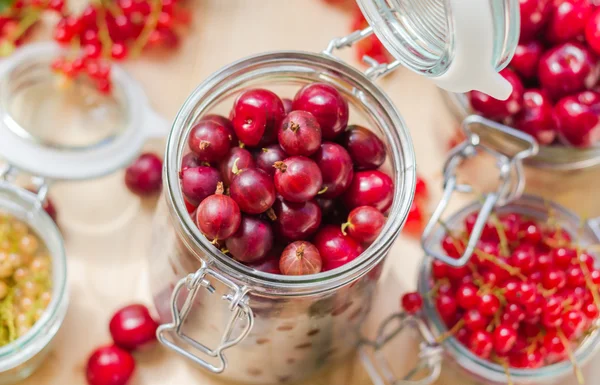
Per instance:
(460,44)
(63,129)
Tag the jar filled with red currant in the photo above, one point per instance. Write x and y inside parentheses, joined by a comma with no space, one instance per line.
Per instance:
(554,73)
(288,176)
(507,292)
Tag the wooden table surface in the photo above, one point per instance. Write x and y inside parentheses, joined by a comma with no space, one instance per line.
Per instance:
(107,230)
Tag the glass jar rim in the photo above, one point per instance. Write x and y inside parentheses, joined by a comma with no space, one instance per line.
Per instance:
(480,366)
(402,156)
(43,331)
(559,158)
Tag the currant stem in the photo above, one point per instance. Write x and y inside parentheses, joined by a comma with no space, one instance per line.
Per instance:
(103,34)
(501,234)
(220,189)
(271,214)
(576,367)
(450,332)
(235,170)
(345,225)
(149,27)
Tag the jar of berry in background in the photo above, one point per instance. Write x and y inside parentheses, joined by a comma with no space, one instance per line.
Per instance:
(231,317)
(540,328)
(33,279)
(554,73)
(508,289)
(65,130)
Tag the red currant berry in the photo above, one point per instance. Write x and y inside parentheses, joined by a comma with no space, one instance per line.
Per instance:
(256,116)
(144,175)
(296,221)
(253,191)
(365,148)
(252,241)
(336,168)
(568,20)
(481,343)
(299,134)
(300,258)
(133,327)
(335,248)
(467,297)
(489,304)
(412,302)
(504,339)
(298,179)
(110,365)
(326,104)
(370,188)
(364,224)
(474,320)
(238,160)
(554,278)
(218,216)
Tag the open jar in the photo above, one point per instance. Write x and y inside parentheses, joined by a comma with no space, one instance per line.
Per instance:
(231,319)
(53,134)
(463,365)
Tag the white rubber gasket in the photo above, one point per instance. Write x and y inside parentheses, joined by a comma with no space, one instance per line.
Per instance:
(472,66)
(61,164)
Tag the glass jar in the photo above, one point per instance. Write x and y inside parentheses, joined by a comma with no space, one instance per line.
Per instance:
(561,173)
(299,324)
(296,324)
(52,132)
(21,357)
(463,366)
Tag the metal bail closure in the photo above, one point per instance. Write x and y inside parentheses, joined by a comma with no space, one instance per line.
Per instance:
(237,305)
(8,175)
(430,352)
(510,187)
(375,69)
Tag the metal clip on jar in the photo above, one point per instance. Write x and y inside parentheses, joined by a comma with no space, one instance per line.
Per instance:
(507,198)
(264,328)
(38,150)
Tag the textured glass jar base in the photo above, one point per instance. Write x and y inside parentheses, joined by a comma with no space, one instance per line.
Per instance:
(564,175)
(292,337)
(472,369)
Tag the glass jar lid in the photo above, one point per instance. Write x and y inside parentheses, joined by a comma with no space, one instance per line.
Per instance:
(68,130)
(460,44)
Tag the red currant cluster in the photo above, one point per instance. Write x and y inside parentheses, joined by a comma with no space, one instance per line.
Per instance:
(294,169)
(19,17)
(554,74)
(132,328)
(113,31)
(526,299)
